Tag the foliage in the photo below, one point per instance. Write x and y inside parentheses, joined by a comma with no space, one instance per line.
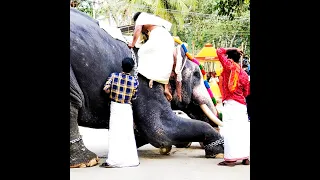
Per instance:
(118,10)
(174,11)
(85,6)
(206,26)
(231,8)
(224,23)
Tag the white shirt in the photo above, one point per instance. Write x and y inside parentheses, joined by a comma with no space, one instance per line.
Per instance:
(146,18)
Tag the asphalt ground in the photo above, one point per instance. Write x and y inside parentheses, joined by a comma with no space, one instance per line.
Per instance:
(181,164)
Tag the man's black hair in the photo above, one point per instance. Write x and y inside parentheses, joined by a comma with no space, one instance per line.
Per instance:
(234,55)
(127,64)
(135,16)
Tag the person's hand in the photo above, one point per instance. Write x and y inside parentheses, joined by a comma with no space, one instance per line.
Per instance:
(237,49)
(219,100)
(130,45)
(107,90)
(240,51)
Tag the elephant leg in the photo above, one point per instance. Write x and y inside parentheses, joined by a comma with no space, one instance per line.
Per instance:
(165,150)
(201,143)
(198,131)
(183,145)
(215,149)
(214,146)
(80,156)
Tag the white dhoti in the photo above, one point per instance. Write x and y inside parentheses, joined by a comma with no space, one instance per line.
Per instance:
(236,131)
(122,144)
(156,56)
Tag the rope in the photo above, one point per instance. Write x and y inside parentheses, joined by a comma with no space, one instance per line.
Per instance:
(135,67)
(133,55)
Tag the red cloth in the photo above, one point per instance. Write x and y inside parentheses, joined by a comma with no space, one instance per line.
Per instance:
(243,86)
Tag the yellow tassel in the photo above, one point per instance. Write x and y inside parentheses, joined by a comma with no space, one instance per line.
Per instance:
(177,40)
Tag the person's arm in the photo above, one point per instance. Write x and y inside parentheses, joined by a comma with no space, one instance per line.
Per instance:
(246,88)
(136,35)
(225,62)
(107,85)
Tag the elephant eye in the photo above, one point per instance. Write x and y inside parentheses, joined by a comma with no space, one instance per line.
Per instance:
(196,74)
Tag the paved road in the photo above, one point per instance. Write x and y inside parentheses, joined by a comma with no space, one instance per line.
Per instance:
(181,164)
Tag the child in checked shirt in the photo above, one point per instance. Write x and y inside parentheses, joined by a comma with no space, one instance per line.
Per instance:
(122,88)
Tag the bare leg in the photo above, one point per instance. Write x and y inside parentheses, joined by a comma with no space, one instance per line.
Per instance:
(178,90)
(167,92)
(150,83)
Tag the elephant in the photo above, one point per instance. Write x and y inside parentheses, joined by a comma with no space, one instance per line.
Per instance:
(94,54)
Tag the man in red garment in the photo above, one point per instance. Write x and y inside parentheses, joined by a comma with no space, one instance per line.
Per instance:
(235,86)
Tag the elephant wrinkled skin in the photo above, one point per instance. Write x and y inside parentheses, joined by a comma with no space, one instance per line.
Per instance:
(94,54)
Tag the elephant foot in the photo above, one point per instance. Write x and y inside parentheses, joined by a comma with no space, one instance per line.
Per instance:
(214,149)
(81,157)
(217,156)
(91,163)
(165,150)
(183,145)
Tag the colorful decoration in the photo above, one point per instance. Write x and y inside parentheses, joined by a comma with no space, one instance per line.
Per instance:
(203,72)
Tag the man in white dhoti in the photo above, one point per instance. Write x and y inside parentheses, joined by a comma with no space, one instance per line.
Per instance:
(122,87)
(235,87)
(156,55)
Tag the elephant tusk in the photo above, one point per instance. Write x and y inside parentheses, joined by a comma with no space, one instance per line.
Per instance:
(210,115)
(214,110)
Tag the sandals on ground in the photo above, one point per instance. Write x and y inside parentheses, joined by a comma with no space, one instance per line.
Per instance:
(233,163)
(227,163)
(106,165)
(246,162)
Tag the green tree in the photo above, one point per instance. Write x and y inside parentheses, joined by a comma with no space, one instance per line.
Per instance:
(85,6)
(174,11)
(231,8)
(220,22)
(205,25)
(224,23)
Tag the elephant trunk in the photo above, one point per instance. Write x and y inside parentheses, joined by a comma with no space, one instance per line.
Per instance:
(201,96)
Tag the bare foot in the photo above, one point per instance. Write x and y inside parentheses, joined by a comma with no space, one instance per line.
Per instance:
(167,92)
(168,95)
(150,83)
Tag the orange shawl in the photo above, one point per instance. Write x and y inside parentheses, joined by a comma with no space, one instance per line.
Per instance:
(233,79)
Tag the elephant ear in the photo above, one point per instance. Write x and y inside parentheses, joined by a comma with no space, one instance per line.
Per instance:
(181,61)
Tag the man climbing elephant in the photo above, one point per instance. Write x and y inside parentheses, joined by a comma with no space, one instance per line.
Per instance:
(156,55)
